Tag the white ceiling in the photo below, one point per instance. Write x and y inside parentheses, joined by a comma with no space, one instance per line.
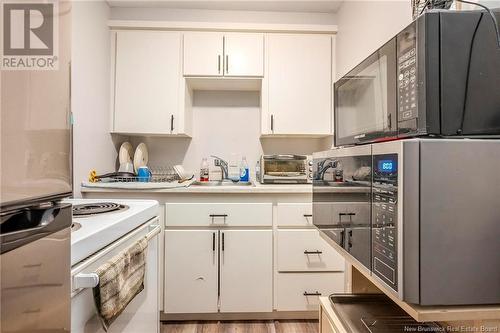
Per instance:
(325,6)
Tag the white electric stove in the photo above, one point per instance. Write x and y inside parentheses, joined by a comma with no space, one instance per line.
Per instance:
(101,229)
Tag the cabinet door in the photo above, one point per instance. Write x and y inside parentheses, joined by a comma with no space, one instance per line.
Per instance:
(191,271)
(246,274)
(299,85)
(203,54)
(147,71)
(244,54)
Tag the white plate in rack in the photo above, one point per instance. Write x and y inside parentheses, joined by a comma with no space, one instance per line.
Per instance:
(140,156)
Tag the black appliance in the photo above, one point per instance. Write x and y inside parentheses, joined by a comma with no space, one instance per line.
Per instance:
(437,77)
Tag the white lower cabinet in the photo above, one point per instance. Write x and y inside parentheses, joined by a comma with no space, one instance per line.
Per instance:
(219,263)
(191,271)
(246,271)
(300,291)
(305,250)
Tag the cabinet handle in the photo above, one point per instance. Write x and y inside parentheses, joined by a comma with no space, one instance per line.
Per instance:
(218,215)
(389,120)
(218,64)
(213,242)
(317,293)
(171,122)
(222,242)
(272,123)
(308,215)
(313,252)
(227,64)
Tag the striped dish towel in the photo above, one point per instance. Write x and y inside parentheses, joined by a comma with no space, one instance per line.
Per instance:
(120,279)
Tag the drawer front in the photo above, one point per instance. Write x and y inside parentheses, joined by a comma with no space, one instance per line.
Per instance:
(219,214)
(295,215)
(326,213)
(300,291)
(305,250)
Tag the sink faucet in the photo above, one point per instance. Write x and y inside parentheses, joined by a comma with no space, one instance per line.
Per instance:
(323,166)
(223,166)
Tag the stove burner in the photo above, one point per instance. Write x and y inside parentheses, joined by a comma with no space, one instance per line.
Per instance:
(85,210)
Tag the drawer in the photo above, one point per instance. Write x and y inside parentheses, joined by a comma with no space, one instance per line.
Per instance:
(297,291)
(219,214)
(328,213)
(296,251)
(295,215)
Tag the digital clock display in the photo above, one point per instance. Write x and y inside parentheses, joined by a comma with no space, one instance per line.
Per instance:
(387,166)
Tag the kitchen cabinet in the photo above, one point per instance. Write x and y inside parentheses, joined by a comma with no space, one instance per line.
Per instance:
(191,271)
(215,54)
(306,266)
(301,291)
(297,88)
(149,92)
(246,273)
(228,265)
(304,250)
(219,214)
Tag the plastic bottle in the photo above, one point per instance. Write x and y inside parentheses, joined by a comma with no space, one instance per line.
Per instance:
(204,170)
(244,171)
(234,168)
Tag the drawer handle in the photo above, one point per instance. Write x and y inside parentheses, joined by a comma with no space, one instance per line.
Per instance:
(308,215)
(214,216)
(313,252)
(317,293)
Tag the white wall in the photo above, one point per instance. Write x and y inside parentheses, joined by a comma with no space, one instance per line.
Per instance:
(224,122)
(203,15)
(92,144)
(364,26)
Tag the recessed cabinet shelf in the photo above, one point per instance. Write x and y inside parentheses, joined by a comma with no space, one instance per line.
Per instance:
(425,313)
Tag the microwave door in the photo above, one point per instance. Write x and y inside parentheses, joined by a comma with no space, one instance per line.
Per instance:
(365,99)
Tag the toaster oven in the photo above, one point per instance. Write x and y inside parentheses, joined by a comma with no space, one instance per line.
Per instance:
(285,169)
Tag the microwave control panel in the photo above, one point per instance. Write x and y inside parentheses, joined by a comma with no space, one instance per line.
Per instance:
(384,218)
(407,73)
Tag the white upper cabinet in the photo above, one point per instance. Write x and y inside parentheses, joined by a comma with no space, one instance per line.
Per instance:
(212,54)
(297,88)
(147,83)
(243,54)
(203,53)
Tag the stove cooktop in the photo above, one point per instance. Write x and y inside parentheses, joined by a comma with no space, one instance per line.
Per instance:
(83,210)
(99,222)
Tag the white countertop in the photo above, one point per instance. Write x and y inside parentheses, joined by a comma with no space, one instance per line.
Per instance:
(256,188)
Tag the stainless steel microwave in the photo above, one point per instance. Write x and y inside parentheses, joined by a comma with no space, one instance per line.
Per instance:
(285,169)
(419,215)
(438,77)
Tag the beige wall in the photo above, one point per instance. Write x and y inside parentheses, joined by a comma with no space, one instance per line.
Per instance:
(93,147)
(364,26)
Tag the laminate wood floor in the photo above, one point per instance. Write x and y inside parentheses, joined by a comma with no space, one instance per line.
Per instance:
(269,326)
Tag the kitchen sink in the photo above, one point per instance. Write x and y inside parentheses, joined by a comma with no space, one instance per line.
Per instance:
(222,183)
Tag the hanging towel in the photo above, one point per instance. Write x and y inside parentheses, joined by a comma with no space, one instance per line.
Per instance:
(120,279)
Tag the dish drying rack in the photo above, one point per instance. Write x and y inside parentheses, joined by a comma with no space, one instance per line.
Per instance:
(159,174)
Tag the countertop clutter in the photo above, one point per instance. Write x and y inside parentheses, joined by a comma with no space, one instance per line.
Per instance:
(190,188)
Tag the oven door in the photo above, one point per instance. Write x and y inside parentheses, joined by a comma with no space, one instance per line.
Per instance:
(342,199)
(365,99)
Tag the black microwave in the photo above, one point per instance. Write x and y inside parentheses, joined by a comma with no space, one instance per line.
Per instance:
(440,77)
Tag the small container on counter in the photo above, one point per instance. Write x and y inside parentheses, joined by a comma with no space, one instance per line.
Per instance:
(204,170)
